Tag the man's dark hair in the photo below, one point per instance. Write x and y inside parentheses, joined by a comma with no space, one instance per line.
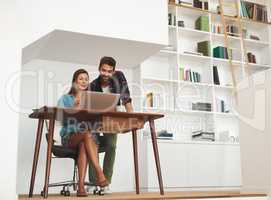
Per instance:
(109,61)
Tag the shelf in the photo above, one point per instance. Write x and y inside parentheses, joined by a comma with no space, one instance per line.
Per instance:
(196,84)
(168,81)
(255,43)
(193,32)
(223,87)
(221,36)
(174,141)
(195,57)
(159,80)
(253,65)
(223,60)
(189,112)
(167,53)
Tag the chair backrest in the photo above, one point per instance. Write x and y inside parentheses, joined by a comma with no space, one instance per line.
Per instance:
(61,151)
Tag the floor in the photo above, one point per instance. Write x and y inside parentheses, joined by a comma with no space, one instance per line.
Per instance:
(153,195)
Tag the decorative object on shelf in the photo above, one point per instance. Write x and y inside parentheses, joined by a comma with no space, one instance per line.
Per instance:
(204,47)
(216,76)
(222,52)
(254,11)
(254,37)
(202,23)
(165,135)
(251,57)
(180,23)
(185,3)
(149,100)
(202,4)
(171,19)
(202,106)
(203,136)
(221,106)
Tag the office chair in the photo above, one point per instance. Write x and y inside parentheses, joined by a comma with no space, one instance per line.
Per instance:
(60,151)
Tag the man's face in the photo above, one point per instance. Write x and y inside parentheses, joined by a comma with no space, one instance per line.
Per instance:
(106,72)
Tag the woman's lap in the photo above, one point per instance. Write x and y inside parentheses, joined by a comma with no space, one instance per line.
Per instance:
(73,140)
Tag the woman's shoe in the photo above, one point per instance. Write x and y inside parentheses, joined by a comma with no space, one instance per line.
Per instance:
(81,193)
(103,183)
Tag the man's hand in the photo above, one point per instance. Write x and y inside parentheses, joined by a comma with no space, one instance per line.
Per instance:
(129,107)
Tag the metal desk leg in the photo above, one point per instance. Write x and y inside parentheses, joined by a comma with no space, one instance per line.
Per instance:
(36,157)
(156,155)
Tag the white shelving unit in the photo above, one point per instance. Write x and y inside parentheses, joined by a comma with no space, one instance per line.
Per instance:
(174,97)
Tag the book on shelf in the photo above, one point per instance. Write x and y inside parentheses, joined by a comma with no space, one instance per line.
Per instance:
(251,57)
(189,75)
(222,52)
(217,28)
(203,136)
(171,19)
(204,47)
(216,75)
(202,4)
(253,11)
(202,23)
(201,106)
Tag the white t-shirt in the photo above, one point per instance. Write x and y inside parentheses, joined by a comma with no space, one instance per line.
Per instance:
(107,90)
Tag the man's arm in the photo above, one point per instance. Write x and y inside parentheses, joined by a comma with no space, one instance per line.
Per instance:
(129,107)
(125,93)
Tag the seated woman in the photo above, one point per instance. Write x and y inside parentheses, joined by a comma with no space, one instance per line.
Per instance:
(77,135)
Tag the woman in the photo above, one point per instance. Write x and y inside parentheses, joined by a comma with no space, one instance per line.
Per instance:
(77,135)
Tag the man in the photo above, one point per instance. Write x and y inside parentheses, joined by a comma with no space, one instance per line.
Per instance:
(110,81)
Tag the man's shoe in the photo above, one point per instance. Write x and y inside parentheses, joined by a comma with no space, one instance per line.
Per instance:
(107,190)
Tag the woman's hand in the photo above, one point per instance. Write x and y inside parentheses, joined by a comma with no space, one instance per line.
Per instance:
(77,100)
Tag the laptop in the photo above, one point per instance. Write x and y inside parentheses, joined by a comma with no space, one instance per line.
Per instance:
(99,101)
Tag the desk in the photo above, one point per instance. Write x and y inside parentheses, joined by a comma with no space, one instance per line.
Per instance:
(106,122)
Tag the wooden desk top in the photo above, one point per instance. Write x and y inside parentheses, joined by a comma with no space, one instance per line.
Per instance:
(84,114)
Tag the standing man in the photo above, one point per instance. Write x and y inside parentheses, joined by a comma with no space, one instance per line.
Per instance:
(110,81)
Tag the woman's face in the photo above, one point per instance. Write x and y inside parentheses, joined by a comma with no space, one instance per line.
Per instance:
(82,81)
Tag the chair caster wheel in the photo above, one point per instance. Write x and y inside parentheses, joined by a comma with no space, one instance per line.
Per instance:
(101,192)
(95,191)
(67,193)
(62,192)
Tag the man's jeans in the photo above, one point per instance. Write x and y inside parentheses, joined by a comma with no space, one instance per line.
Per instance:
(108,142)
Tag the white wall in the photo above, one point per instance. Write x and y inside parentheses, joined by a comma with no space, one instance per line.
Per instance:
(10,63)
(133,20)
(255,132)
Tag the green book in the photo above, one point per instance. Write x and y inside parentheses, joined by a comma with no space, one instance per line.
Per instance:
(204,48)
(219,52)
(202,23)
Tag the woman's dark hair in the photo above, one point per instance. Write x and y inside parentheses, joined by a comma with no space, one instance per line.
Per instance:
(74,78)
(109,61)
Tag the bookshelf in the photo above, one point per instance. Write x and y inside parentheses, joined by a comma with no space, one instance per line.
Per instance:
(174,96)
